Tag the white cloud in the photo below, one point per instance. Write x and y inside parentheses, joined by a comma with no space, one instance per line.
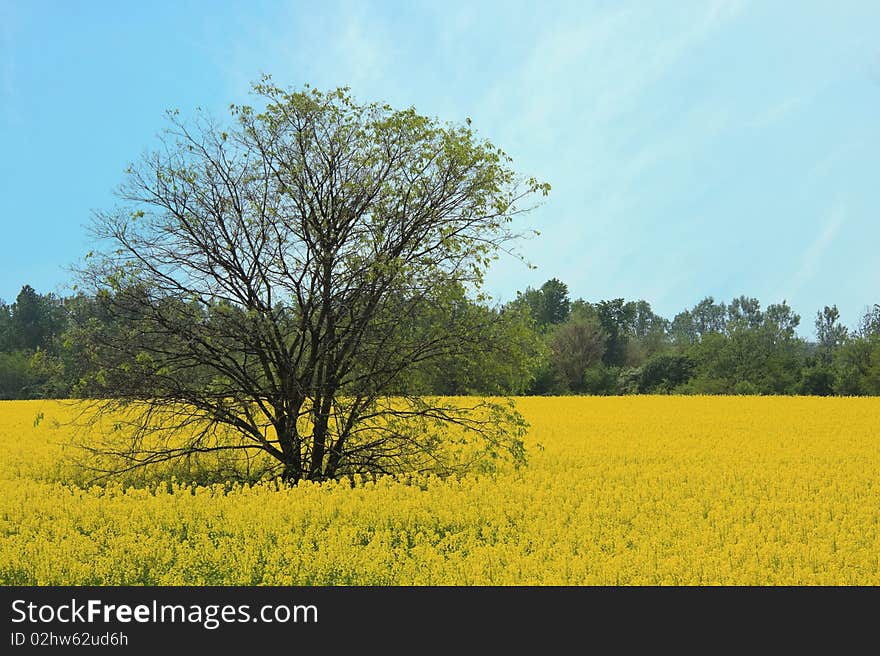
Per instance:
(813,254)
(325,44)
(579,108)
(361,46)
(605,61)
(777,112)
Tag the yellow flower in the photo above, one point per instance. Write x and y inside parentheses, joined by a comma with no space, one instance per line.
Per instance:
(628,490)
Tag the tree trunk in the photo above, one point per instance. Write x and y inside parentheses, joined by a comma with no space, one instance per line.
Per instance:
(319,440)
(291,474)
(335,457)
(289,441)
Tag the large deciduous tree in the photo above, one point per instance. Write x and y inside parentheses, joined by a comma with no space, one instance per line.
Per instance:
(264,286)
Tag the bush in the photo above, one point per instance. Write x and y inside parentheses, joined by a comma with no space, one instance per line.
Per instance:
(664,373)
(746,388)
(628,380)
(817,381)
(704,384)
(16,378)
(601,380)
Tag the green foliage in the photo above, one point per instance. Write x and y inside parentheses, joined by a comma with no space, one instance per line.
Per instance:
(549,305)
(857,367)
(666,372)
(817,380)
(830,334)
(16,378)
(30,339)
(602,380)
(628,380)
(503,356)
(303,278)
(869,325)
(704,384)
(541,343)
(35,320)
(575,347)
(746,388)
(705,318)
(616,317)
(556,305)
(758,352)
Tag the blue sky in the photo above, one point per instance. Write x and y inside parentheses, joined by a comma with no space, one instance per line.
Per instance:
(694,148)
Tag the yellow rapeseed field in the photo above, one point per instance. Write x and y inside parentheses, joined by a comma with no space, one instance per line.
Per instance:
(631,490)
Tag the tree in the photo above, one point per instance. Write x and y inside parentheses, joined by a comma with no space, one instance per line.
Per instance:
(508,367)
(5,327)
(647,324)
(28,319)
(743,313)
(682,330)
(557,305)
(816,381)
(549,305)
(857,367)
(818,377)
(617,319)
(265,284)
(576,346)
(857,360)
(709,316)
(758,353)
(649,334)
(869,324)
(665,372)
(16,379)
(830,333)
(34,320)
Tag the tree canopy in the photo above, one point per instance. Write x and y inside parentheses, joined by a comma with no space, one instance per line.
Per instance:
(272,285)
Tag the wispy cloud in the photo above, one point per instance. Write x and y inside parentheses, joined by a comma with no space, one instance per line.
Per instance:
(361,46)
(582,105)
(811,257)
(776,113)
(334,43)
(605,60)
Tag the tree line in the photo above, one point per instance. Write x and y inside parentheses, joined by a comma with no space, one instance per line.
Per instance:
(543,342)
(623,347)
